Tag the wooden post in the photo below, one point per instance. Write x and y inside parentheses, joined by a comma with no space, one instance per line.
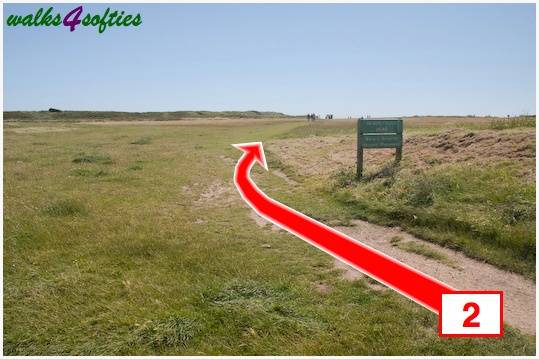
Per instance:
(398,154)
(359,172)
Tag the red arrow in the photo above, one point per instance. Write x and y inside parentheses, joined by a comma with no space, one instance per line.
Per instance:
(409,282)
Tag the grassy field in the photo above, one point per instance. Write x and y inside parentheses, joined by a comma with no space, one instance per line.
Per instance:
(130,239)
(85,116)
(469,187)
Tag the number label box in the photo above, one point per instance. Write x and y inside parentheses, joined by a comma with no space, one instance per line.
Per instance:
(471,314)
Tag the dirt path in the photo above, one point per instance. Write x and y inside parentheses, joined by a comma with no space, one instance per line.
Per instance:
(449,266)
(455,269)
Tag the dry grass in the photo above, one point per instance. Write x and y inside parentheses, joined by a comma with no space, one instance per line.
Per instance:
(324,156)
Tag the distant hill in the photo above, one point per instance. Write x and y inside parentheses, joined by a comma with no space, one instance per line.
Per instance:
(78,116)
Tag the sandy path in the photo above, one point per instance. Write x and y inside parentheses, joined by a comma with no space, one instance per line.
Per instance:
(461,273)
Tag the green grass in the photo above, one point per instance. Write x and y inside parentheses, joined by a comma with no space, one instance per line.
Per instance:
(422,249)
(486,212)
(64,208)
(322,128)
(170,332)
(418,248)
(119,264)
(88,172)
(142,141)
(83,116)
(92,158)
(514,122)
(395,240)
(413,125)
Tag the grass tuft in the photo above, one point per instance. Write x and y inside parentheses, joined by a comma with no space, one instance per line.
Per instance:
(395,240)
(423,250)
(87,172)
(170,332)
(135,167)
(88,158)
(142,141)
(241,290)
(344,178)
(64,208)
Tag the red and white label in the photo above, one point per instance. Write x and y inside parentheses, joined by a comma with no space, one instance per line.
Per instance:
(472,314)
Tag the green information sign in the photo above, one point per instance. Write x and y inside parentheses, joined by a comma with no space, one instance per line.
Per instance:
(383,133)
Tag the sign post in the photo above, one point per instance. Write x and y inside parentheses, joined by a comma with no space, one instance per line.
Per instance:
(385,133)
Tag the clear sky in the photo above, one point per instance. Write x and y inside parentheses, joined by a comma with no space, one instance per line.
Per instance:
(347,59)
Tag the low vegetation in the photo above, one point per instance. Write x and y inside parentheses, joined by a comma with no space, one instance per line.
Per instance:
(515,122)
(88,172)
(142,141)
(84,116)
(159,256)
(488,213)
(92,158)
(414,124)
(174,331)
(470,190)
(64,208)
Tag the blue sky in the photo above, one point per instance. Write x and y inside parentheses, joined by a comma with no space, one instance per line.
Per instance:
(347,59)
